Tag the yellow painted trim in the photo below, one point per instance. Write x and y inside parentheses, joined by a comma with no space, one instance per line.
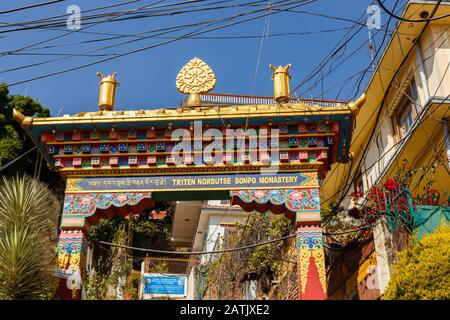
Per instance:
(160,115)
(69,175)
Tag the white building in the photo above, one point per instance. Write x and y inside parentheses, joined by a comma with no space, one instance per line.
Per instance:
(203,226)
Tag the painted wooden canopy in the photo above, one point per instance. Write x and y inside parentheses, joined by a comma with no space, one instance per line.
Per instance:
(136,144)
(129,145)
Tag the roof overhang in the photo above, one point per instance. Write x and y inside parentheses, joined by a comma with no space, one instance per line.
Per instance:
(219,116)
(185,222)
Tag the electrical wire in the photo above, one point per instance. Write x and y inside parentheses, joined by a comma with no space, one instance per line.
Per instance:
(428,137)
(222,250)
(413,20)
(380,47)
(263,37)
(349,231)
(364,73)
(404,139)
(383,155)
(405,58)
(385,27)
(316,73)
(31,6)
(16,159)
(117,15)
(82,12)
(75,30)
(338,47)
(401,67)
(440,145)
(237,37)
(199,252)
(164,31)
(131,14)
(241,37)
(184,36)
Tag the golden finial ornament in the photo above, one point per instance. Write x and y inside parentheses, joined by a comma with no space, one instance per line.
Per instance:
(194,78)
(280,77)
(107,93)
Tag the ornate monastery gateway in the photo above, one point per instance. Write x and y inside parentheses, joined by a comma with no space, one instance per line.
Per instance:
(119,162)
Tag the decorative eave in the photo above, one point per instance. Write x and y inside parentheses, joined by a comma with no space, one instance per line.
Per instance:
(190,114)
(356,105)
(24,121)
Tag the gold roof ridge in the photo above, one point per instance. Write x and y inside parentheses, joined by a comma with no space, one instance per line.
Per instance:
(203,112)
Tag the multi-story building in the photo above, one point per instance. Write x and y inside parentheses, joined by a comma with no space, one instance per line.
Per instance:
(404,123)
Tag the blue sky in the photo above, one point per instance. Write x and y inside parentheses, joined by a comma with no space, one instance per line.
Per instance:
(148,77)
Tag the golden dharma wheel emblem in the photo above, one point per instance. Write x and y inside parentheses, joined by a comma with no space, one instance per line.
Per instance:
(194,78)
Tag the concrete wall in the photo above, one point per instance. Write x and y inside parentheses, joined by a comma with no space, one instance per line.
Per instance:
(435,46)
(192,284)
(383,241)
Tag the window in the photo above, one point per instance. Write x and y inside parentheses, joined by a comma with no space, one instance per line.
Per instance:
(358,192)
(229,230)
(407,111)
(379,142)
(380,147)
(415,96)
(404,118)
(359,187)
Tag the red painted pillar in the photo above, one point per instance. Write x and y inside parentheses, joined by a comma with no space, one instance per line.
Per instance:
(311,262)
(311,258)
(72,247)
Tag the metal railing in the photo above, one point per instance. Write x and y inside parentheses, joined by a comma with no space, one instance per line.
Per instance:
(432,198)
(171,265)
(400,208)
(228,99)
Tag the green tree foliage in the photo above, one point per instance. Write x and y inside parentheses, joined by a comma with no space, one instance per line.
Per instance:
(263,257)
(227,271)
(10,143)
(28,218)
(422,271)
(12,139)
(15,142)
(96,286)
(112,265)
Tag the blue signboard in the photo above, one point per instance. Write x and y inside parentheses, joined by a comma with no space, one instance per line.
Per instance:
(162,284)
(194,182)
